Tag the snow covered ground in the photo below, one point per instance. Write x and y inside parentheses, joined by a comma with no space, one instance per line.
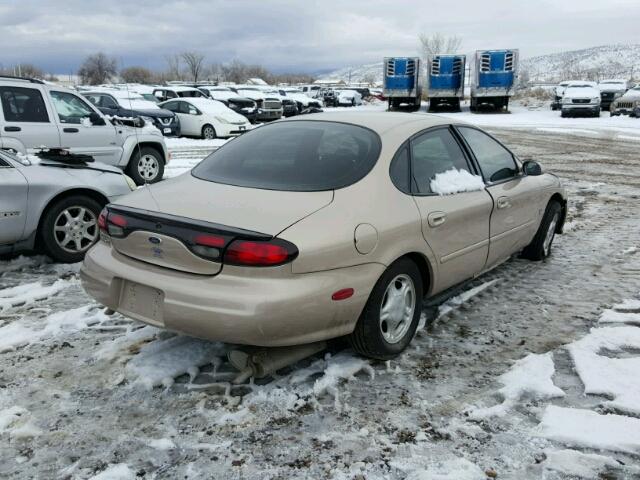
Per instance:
(529,372)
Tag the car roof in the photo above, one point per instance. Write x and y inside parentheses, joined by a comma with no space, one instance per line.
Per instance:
(178,88)
(380,122)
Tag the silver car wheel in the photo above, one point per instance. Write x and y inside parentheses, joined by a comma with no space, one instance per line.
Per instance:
(397,309)
(209,133)
(551,232)
(148,167)
(75,229)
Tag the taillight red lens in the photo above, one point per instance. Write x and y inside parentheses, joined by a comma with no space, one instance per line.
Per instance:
(209,240)
(260,254)
(102,220)
(118,220)
(342,294)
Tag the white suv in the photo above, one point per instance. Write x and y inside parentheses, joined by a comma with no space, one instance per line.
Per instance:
(36,115)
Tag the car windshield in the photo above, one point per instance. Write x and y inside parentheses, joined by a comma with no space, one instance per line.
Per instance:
(579,86)
(301,156)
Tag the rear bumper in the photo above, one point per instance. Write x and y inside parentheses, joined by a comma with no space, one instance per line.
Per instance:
(231,130)
(240,305)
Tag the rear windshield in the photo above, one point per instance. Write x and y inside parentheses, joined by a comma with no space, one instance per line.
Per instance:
(298,156)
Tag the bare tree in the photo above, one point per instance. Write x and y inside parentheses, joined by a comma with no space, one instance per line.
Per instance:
(174,67)
(236,71)
(194,62)
(97,69)
(438,43)
(136,75)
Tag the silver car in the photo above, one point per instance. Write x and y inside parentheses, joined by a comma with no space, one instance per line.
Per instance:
(54,206)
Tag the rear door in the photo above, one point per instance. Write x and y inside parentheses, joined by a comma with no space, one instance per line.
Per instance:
(456,226)
(79,135)
(514,219)
(13,203)
(27,118)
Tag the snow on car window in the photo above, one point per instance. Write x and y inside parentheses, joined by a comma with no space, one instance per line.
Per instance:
(456,181)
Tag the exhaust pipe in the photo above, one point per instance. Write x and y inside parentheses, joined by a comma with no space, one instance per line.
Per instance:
(261,362)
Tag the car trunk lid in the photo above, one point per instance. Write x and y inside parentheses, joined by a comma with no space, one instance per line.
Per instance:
(186,224)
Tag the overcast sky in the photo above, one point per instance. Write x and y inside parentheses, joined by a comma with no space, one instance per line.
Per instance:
(303,35)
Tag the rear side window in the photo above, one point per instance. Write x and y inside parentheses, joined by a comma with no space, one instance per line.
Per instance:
(399,170)
(23,105)
(432,153)
(496,162)
(301,156)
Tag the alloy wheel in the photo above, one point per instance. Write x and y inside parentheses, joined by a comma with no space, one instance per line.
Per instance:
(148,167)
(397,309)
(76,229)
(551,232)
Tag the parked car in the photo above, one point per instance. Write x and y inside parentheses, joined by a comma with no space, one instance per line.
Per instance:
(245,257)
(177,91)
(269,106)
(244,106)
(304,104)
(348,97)
(35,115)
(610,90)
(556,103)
(311,90)
(145,90)
(53,206)
(205,118)
(581,98)
(627,104)
(122,103)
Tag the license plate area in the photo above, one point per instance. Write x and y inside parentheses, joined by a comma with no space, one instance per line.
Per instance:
(166,130)
(141,302)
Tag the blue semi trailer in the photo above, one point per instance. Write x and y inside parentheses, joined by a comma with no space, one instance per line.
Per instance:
(402,86)
(493,79)
(445,81)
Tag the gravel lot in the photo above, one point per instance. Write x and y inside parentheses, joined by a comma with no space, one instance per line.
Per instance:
(79,383)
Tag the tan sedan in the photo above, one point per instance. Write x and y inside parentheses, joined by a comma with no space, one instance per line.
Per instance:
(329,225)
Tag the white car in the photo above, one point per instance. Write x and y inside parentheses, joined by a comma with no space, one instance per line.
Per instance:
(348,97)
(176,91)
(581,98)
(303,101)
(206,118)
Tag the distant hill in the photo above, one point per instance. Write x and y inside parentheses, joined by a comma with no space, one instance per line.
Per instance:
(595,63)
(590,63)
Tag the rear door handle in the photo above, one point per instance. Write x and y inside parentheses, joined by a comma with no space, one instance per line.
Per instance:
(12,129)
(70,130)
(436,219)
(503,202)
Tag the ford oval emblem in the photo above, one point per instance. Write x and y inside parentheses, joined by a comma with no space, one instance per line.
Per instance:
(155,240)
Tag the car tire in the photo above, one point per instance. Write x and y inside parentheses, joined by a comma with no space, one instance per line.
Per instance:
(563,114)
(540,246)
(69,228)
(146,166)
(208,132)
(398,289)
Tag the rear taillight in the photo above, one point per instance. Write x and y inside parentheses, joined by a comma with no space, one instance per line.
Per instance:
(102,220)
(116,225)
(260,253)
(208,245)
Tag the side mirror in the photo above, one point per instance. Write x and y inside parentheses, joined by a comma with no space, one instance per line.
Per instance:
(96,119)
(531,168)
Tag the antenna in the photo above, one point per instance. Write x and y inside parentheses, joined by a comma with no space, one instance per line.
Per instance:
(135,129)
